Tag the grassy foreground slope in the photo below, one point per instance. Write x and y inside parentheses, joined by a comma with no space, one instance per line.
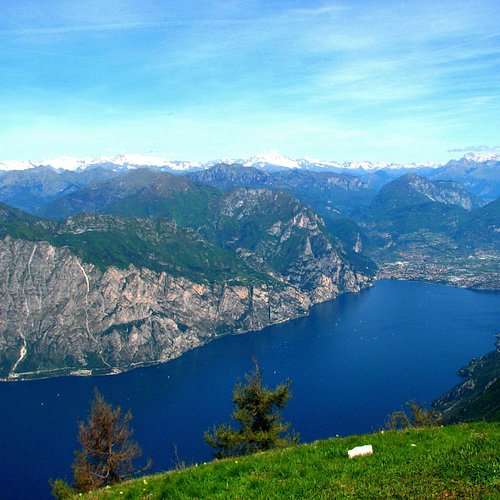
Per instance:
(459,461)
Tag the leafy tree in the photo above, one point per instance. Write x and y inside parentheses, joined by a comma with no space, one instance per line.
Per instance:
(418,417)
(257,411)
(107,451)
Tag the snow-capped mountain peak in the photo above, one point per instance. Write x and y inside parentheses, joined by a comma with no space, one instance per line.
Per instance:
(64,162)
(482,157)
(122,161)
(271,160)
(130,159)
(265,161)
(7,165)
(304,162)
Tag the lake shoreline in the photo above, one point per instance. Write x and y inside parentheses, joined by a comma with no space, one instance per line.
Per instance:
(76,372)
(352,362)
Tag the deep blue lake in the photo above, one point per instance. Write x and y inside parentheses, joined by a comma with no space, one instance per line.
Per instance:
(353,361)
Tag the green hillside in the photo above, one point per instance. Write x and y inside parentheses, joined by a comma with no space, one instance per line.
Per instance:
(139,193)
(460,461)
(109,240)
(167,223)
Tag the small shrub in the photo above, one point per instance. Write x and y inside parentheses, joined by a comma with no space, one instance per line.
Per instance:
(417,417)
(61,489)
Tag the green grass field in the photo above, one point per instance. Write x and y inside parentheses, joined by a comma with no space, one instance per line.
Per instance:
(459,461)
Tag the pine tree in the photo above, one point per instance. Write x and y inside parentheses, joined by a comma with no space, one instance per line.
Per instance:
(107,451)
(257,411)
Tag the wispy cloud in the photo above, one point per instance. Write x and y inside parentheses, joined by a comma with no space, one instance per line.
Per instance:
(128,26)
(476,149)
(335,73)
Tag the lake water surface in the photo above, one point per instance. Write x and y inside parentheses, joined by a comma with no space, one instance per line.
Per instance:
(353,361)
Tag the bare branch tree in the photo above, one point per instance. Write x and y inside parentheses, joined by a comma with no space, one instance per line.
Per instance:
(107,450)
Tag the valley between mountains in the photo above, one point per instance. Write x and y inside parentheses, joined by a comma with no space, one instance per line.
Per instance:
(107,269)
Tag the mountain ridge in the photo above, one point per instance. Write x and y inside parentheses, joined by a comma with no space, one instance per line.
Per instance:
(105,292)
(263,161)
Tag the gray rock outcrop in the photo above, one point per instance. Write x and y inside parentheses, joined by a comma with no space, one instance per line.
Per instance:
(59,315)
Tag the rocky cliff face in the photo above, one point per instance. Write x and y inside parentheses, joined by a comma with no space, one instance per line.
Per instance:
(478,174)
(447,192)
(59,315)
(411,190)
(99,293)
(295,244)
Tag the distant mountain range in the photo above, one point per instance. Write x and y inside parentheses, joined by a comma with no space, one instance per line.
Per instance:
(263,161)
(120,162)
(113,264)
(478,172)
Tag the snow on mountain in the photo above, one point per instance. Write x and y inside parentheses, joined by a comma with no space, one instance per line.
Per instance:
(373,166)
(266,161)
(123,161)
(15,165)
(128,160)
(482,157)
(270,160)
(64,163)
(311,163)
(218,161)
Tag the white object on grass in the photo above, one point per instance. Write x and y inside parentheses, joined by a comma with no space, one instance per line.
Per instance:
(360,451)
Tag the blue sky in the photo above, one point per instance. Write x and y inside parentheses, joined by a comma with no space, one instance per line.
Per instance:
(197,80)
